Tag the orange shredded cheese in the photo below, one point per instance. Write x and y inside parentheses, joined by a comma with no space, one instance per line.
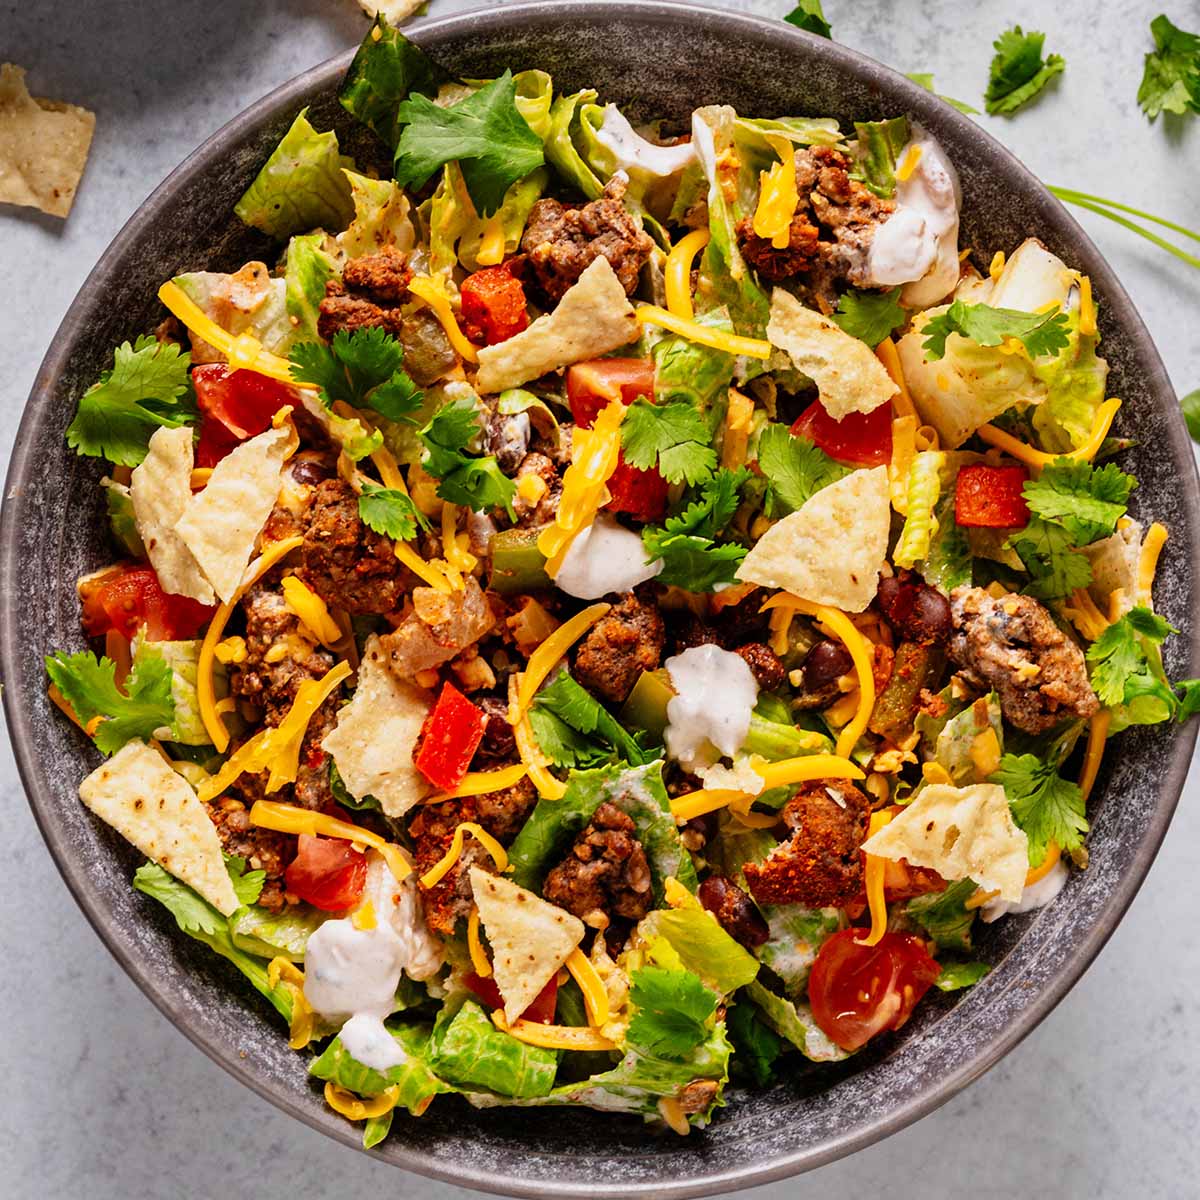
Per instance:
(778,196)
(801,769)
(491,245)
(678,273)
(1039,458)
(704,335)
(875,870)
(433,291)
(312,611)
(547,656)
(1097,736)
(355,1108)
(902,402)
(1156,538)
(438,871)
(479,958)
(282,972)
(1053,854)
(554,1037)
(595,995)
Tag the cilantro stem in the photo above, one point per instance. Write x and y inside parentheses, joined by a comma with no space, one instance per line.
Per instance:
(1104,208)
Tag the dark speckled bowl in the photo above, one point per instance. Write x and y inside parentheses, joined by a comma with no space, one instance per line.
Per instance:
(657,60)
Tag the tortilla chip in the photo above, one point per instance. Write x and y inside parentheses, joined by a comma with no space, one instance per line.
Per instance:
(530,938)
(373,740)
(43,146)
(849,378)
(830,550)
(394,11)
(150,805)
(962,833)
(593,318)
(161,493)
(222,522)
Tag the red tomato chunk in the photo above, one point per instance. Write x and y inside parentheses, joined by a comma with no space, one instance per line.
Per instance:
(129,598)
(991,497)
(864,439)
(327,872)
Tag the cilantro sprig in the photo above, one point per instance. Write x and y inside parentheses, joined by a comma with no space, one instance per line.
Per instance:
(390,512)
(574,729)
(362,368)
(673,1009)
(1018,72)
(89,686)
(795,469)
(472,480)
(870,316)
(1046,806)
(1171,76)
(809,16)
(146,389)
(1039,333)
(672,437)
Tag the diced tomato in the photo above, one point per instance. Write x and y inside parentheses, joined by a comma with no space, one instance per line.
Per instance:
(243,401)
(493,304)
(991,497)
(449,738)
(864,439)
(540,1010)
(859,991)
(130,598)
(591,386)
(327,872)
(215,442)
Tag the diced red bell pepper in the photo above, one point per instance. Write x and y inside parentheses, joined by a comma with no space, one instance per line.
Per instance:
(541,1008)
(131,598)
(991,497)
(449,738)
(493,304)
(327,872)
(591,386)
(243,401)
(864,439)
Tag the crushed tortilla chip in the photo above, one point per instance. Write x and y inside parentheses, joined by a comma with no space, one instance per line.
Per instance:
(831,549)
(372,742)
(155,808)
(530,938)
(962,833)
(393,11)
(593,318)
(849,378)
(43,146)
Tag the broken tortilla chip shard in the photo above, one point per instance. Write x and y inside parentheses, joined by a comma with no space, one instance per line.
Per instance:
(593,318)
(43,146)
(831,549)
(161,492)
(530,938)
(393,11)
(372,742)
(849,378)
(222,523)
(153,807)
(961,833)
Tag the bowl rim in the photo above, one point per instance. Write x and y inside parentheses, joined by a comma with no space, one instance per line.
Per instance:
(291,95)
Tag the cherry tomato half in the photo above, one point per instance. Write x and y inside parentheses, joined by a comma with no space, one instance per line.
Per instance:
(541,1009)
(858,991)
(864,439)
(130,598)
(327,872)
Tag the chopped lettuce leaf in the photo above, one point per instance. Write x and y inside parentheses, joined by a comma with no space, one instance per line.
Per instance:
(756,1045)
(183,660)
(956,741)
(121,520)
(308,269)
(561,150)
(381,218)
(701,946)
(699,375)
(796,934)
(877,151)
(794,1023)
(282,934)
(958,975)
(468,1050)
(945,917)
(947,562)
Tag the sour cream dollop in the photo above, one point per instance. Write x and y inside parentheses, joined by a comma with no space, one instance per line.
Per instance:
(605,557)
(351,974)
(634,153)
(1036,895)
(709,715)
(918,244)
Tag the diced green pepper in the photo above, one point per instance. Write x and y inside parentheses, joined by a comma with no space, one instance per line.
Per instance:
(646,706)
(517,564)
(915,667)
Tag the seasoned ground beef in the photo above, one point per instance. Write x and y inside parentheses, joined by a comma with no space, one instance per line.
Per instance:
(820,865)
(563,241)
(262,849)
(367,296)
(1013,645)
(540,512)
(765,665)
(347,564)
(626,641)
(383,275)
(832,229)
(605,875)
(301,474)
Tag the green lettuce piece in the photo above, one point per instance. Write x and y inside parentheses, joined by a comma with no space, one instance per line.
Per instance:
(561,151)
(183,658)
(375,1129)
(953,747)
(198,919)
(794,1023)
(795,934)
(756,1045)
(267,934)
(381,217)
(468,1050)
(308,269)
(947,561)
(121,520)
(693,373)
(776,742)
(347,433)
(750,134)
(535,100)
(736,846)
(418,1084)
(269,321)
(301,186)
(1075,383)
(945,917)
(513,213)
(876,151)
(958,975)
(448,214)
(701,946)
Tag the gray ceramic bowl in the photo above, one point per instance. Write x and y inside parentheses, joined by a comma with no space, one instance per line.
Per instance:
(659,60)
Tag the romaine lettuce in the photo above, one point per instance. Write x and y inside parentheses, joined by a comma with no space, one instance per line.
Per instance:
(121,520)
(308,269)
(956,740)
(282,934)
(468,1050)
(183,658)
(698,944)
(794,1023)
(247,302)
(381,217)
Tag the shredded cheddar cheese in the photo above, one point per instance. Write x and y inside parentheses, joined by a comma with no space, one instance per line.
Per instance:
(231,650)
(479,959)
(428,572)
(672,1113)
(433,292)
(1039,458)
(778,196)
(875,870)
(780,625)
(902,402)
(354,1108)
(1082,612)
(439,870)
(979,898)
(1097,736)
(704,335)
(904,448)
(531,488)
(388,468)
(700,802)
(491,245)
(301,600)
(1087,308)
(554,1037)
(678,273)
(910,162)
(479,783)
(801,769)
(199,478)
(1156,538)
(364,917)
(547,656)
(282,972)
(739,417)
(1053,854)
(996,266)
(595,995)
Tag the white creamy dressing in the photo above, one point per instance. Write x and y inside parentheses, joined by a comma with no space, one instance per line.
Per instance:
(634,153)
(918,244)
(351,974)
(710,713)
(1036,895)
(605,557)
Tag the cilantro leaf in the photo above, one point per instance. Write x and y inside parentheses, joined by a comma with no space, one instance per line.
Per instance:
(485,134)
(193,914)
(1191,413)
(602,738)
(795,469)
(1018,71)
(89,685)
(476,482)
(1050,557)
(1189,702)
(1085,500)
(1124,665)
(673,1011)
(1046,806)
(1040,333)
(672,437)
(1171,77)
(925,79)
(870,316)
(808,15)
(360,368)
(144,391)
(390,512)
(247,885)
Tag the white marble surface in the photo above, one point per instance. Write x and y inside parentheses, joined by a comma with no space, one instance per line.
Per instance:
(103,1097)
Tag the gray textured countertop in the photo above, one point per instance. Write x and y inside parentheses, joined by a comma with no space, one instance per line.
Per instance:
(104,1098)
